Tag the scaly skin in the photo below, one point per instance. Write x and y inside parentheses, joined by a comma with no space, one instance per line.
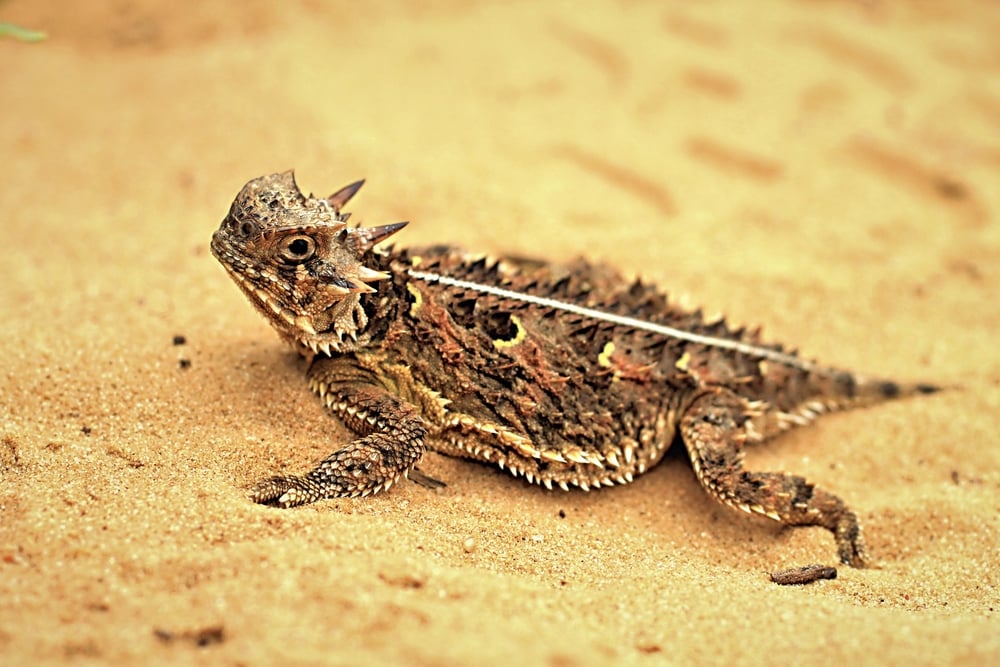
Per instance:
(567,376)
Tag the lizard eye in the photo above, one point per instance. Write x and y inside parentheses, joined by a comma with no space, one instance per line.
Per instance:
(297,249)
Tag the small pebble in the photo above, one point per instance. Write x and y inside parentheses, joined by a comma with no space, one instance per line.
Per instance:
(803,575)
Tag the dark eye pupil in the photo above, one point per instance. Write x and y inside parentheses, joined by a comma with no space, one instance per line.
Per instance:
(247,228)
(298,247)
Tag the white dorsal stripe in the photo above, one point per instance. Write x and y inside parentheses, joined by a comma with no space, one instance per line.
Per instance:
(622,320)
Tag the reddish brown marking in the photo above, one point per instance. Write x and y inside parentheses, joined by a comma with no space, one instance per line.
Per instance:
(449,344)
(544,375)
(628,369)
(649,191)
(604,54)
(732,160)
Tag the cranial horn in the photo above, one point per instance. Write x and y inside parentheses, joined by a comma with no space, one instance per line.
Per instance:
(344,194)
(287,179)
(368,275)
(367,237)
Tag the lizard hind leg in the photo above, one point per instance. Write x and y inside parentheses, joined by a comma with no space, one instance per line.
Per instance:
(714,429)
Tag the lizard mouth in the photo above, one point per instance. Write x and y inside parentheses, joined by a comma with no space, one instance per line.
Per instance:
(332,330)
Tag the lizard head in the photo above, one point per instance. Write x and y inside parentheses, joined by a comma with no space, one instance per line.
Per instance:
(299,263)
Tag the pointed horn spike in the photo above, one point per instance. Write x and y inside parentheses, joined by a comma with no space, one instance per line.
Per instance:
(371,275)
(337,290)
(363,288)
(288,179)
(344,194)
(338,224)
(305,323)
(369,236)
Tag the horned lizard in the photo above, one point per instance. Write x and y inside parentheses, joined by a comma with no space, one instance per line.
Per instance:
(565,376)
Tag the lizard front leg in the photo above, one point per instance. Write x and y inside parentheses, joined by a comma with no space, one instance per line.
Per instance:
(392,441)
(713,429)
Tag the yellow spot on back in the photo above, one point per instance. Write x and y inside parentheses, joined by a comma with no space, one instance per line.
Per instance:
(682,363)
(517,339)
(418,299)
(604,358)
(416,260)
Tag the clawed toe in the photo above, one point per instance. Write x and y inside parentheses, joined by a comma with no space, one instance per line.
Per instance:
(280,492)
(850,546)
(853,554)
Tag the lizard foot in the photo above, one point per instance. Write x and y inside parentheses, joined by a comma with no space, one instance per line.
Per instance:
(285,491)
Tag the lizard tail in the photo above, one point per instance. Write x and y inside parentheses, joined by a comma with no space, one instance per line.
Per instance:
(876,390)
(841,390)
(832,391)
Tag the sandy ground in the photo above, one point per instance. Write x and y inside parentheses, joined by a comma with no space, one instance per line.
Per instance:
(830,169)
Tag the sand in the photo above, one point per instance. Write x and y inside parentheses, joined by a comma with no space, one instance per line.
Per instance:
(828,169)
